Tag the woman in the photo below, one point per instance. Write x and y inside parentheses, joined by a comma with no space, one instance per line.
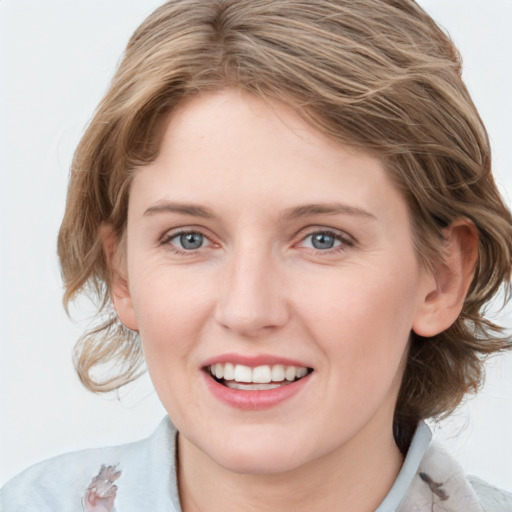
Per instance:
(290,207)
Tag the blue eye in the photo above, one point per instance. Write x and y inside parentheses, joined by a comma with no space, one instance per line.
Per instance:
(326,240)
(188,241)
(322,240)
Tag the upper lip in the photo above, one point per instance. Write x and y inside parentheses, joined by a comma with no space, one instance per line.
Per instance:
(253,360)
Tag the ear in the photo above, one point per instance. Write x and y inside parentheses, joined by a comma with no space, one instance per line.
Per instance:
(115,254)
(448,284)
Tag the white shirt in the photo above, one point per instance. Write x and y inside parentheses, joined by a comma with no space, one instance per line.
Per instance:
(430,480)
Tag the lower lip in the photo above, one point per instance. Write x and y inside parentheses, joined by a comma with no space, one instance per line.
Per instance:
(254,400)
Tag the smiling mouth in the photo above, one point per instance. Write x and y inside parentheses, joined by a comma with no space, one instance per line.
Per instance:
(259,378)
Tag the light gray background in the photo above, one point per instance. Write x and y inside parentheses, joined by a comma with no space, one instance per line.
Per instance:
(56,58)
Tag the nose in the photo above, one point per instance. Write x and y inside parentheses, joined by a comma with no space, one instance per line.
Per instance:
(252,301)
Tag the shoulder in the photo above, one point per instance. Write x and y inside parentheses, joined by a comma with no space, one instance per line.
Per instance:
(59,484)
(441,485)
(491,498)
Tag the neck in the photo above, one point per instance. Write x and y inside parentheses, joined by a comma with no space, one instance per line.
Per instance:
(355,477)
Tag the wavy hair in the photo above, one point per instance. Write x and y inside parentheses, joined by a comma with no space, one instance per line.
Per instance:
(376,74)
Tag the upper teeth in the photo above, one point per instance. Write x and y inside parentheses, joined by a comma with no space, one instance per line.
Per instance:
(259,374)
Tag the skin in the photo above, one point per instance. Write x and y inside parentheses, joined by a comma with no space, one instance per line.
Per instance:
(257,285)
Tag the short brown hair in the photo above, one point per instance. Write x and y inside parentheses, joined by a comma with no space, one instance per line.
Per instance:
(377,74)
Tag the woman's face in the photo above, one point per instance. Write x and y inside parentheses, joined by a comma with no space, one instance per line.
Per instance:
(264,253)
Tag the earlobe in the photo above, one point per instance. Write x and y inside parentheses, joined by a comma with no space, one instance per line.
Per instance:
(447,286)
(119,289)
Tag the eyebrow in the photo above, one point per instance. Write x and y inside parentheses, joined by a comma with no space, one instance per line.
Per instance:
(183,208)
(289,214)
(326,209)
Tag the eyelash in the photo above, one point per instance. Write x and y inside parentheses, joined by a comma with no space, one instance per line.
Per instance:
(345,241)
(166,240)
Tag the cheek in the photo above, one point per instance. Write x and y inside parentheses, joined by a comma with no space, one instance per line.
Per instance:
(170,313)
(171,307)
(362,321)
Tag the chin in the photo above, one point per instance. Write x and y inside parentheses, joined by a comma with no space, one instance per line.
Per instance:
(258,462)
(258,453)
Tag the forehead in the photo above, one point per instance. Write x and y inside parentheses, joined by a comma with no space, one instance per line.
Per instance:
(232,149)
